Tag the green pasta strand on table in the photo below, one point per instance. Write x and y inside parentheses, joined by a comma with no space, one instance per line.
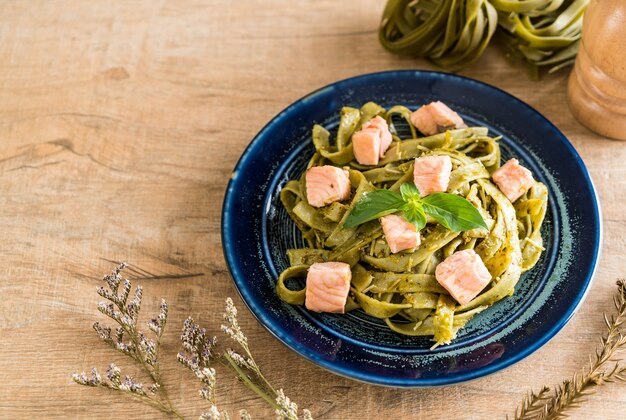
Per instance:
(401,288)
(455,33)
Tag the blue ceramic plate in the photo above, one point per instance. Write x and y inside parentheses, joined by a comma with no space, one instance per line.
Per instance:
(256,232)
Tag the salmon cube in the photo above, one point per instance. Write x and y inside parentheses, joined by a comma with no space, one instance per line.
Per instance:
(326,184)
(435,118)
(366,146)
(399,233)
(327,287)
(385,135)
(431,174)
(513,179)
(463,274)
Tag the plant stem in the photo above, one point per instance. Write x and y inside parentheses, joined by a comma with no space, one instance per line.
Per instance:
(153,402)
(157,371)
(249,383)
(258,371)
(266,381)
(166,408)
(154,374)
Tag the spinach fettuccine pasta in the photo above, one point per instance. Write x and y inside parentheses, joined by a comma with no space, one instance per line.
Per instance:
(424,248)
(455,33)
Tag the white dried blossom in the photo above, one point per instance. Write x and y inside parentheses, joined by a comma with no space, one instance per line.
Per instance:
(114,279)
(205,394)
(209,376)
(154,327)
(125,348)
(233,329)
(287,408)
(113,373)
(83,379)
(119,334)
(127,321)
(212,414)
(245,362)
(237,335)
(154,388)
(134,306)
(104,293)
(195,341)
(80,378)
(149,349)
(125,292)
(208,392)
(230,316)
(231,310)
(96,379)
(108,310)
(183,359)
(103,332)
(243,415)
(163,312)
(129,385)
(158,324)
(188,335)
(209,379)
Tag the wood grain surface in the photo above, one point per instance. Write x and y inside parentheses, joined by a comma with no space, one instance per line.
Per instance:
(120,123)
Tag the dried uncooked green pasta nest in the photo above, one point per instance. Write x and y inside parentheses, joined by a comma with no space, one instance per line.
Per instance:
(401,288)
(454,33)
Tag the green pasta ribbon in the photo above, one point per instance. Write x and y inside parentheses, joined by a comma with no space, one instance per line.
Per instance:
(401,288)
(455,33)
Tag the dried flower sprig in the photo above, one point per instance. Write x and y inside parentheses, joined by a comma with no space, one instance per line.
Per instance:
(128,385)
(244,365)
(250,373)
(199,351)
(604,367)
(130,341)
(140,348)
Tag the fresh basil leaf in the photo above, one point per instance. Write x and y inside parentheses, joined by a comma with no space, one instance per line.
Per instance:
(414,213)
(373,205)
(453,212)
(409,191)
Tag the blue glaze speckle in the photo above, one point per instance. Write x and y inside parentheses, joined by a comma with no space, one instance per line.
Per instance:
(256,231)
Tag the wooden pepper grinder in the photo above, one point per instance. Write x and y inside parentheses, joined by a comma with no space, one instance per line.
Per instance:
(597,84)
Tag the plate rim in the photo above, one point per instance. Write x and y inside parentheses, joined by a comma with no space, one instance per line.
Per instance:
(417,382)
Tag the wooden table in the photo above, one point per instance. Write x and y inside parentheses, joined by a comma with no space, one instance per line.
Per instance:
(120,123)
